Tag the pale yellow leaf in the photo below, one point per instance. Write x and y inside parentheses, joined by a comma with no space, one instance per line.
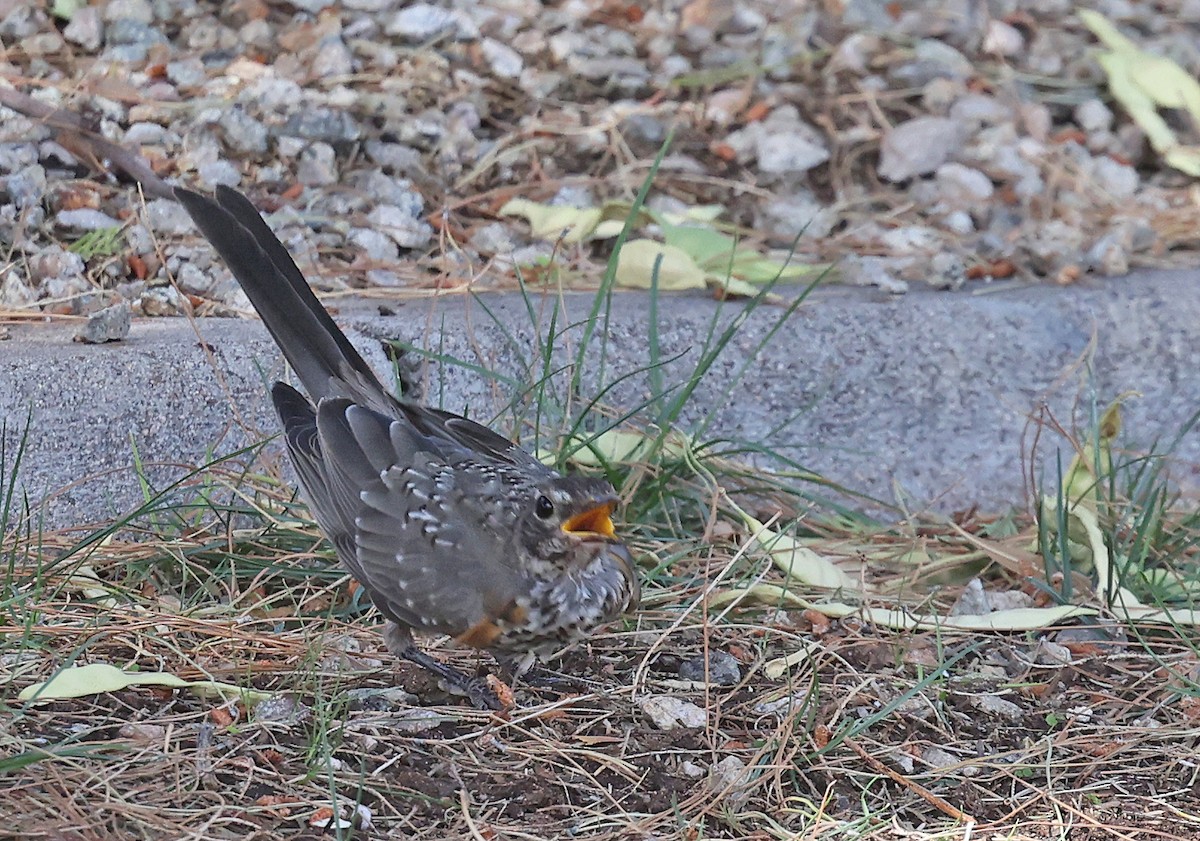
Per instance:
(1106,586)
(771,595)
(636,264)
(1186,159)
(1105,31)
(1136,102)
(796,561)
(97,678)
(555,222)
(608,229)
(619,446)
(738,288)
(1143,82)
(778,667)
(85,579)
(1167,83)
(755,268)
(696,213)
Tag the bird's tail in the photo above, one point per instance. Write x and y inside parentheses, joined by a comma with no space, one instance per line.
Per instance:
(320,354)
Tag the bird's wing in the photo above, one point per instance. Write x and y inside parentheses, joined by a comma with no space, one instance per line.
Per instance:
(430,552)
(474,438)
(332,496)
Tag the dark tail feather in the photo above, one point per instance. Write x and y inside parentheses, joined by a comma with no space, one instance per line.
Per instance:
(313,345)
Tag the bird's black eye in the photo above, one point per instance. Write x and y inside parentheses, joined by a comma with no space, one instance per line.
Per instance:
(544,508)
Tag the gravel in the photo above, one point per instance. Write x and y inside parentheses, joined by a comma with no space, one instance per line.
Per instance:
(858,132)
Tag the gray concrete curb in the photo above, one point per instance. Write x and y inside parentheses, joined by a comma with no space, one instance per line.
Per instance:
(929,393)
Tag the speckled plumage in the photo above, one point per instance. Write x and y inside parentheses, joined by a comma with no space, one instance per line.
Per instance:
(448,526)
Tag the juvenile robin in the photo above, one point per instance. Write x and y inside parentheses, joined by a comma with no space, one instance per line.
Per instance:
(449,527)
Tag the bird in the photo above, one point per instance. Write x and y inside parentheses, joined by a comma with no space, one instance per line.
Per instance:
(449,527)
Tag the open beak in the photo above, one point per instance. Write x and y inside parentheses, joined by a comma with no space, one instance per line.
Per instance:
(596,522)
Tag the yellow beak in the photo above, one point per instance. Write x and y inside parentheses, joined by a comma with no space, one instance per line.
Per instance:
(593,522)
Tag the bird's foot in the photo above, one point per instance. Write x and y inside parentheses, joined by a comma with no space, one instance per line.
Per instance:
(539,678)
(518,670)
(476,690)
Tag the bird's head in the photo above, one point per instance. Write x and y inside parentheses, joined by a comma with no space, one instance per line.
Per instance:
(567,521)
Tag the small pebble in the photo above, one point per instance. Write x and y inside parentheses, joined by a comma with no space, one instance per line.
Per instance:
(404,229)
(504,61)
(110,324)
(994,705)
(284,709)
(85,219)
(668,713)
(420,22)
(1052,653)
(85,28)
(730,776)
(1003,39)
(381,699)
(723,669)
(918,147)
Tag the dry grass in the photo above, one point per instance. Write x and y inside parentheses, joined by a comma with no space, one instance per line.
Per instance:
(873,734)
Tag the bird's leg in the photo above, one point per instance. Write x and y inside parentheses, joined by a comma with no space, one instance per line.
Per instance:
(399,641)
(522,670)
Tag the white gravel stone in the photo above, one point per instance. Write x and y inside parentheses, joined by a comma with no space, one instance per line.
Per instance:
(242,132)
(110,324)
(1093,115)
(960,222)
(789,153)
(504,61)
(668,712)
(217,172)
(385,278)
(1117,179)
(378,247)
(961,187)
(168,217)
(372,6)
(55,261)
(422,21)
(27,186)
(140,10)
(1003,39)
(918,147)
(912,240)
(996,706)
(15,293)
(730,775)
(879,272)
(333,58)
(85,28)
(936,757)
(312,6)
(405,230)
(85,219)
(787,217)
(194,280)
(496,238)
(783,144)
(1109,256)
(145,134)
(161,301)
(946,271)
(317,166)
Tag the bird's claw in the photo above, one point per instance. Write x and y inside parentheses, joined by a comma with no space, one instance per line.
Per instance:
(452,680)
